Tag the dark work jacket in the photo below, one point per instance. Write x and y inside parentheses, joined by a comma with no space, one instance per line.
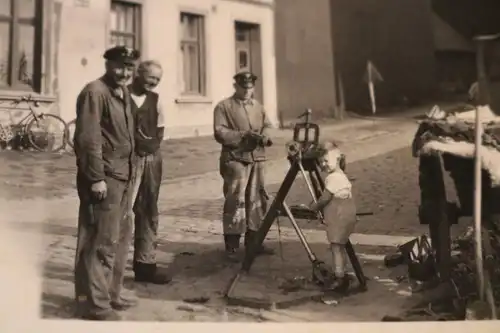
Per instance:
(231,120)
(104,132)
(146,124)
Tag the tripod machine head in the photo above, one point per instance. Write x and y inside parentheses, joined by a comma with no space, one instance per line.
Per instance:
(305,145)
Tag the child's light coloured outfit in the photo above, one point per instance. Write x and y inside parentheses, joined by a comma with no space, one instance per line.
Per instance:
(340,212)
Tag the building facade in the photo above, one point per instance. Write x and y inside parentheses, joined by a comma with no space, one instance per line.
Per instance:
(323,47)
(397,37)
(55,47)
(305,59)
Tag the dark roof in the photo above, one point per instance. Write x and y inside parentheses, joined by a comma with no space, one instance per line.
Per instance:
(470,17)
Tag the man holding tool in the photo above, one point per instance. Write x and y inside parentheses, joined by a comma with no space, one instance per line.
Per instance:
(241,127)
(104,145)
(146,180)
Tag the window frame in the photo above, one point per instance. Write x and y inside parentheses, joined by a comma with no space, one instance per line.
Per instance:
(13,82)
(200,43)
(137,8)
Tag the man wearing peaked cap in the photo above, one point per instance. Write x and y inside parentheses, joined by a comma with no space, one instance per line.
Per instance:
(104,146)
(241,127)
(245,79)
(122,53)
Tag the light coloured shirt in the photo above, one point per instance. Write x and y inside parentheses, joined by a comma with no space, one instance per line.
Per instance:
(338,185)
(139,100)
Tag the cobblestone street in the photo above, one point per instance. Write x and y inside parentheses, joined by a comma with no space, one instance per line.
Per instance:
(385,182)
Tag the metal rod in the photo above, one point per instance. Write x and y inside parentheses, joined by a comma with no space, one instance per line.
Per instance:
(478,171)
(309,185)
(232,285)
(303,239)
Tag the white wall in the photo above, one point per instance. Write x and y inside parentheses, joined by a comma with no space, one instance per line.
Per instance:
(194,116)
(83,37)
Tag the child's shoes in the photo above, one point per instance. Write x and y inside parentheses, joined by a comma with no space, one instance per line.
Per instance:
(340,285)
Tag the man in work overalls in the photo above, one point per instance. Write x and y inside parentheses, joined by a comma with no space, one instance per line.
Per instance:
(241,127)
(104,146)
(149,132)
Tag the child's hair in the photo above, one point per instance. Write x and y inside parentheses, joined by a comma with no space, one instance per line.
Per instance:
(328,147)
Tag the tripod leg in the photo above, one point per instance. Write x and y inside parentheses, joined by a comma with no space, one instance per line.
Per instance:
(315,184)
(310,182)
(356,265)
(272,213)
(318,177)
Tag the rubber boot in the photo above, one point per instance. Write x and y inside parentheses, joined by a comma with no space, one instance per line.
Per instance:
(149,273)
(232,244)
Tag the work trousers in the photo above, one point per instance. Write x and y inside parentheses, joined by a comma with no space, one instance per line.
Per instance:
(245,203)
(146,182)
(103,241)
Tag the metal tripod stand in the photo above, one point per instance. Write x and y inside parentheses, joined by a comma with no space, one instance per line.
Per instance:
(303,157)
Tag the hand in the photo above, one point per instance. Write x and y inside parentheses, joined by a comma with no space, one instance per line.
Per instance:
(265,141)
(251,140)
(252,135)
(99,190)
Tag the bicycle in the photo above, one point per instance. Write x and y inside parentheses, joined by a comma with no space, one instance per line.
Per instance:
(70,132)
(34,130)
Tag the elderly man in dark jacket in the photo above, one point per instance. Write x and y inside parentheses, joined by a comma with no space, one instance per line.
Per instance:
(241,127)
(104,146)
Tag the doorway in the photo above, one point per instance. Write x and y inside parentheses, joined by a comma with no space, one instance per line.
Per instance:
(248,53)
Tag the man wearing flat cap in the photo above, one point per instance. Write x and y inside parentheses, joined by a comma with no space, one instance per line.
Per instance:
(241,127)
(104,145)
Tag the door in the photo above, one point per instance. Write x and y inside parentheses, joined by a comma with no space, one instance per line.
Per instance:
(248,53)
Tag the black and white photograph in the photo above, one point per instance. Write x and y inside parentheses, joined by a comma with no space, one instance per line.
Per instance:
(250,161)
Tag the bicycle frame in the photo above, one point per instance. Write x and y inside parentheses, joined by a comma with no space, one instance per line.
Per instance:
(32,114)
(26,131)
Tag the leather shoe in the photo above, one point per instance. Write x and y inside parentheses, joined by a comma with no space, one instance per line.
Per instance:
(123,304)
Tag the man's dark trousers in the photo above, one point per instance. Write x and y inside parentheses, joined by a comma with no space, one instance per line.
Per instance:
(146,190)
(104,237)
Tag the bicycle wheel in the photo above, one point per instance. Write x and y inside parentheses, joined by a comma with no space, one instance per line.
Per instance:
(70,132)
(47,133)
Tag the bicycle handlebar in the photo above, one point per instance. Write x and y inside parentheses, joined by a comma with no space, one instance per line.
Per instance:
(27,99)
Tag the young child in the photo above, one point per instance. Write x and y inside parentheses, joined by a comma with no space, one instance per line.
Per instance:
(339,211)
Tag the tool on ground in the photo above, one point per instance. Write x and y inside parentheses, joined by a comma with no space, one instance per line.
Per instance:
(303,154)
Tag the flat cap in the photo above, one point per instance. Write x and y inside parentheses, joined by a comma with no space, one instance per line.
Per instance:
(245,79)
(124,54)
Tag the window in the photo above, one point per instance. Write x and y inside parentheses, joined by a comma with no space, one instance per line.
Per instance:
(192,55)
(20,44)
(125,21)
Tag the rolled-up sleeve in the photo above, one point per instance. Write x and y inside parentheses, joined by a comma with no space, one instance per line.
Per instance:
(88,137)
(161,113)
(266,123)
(223,134)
